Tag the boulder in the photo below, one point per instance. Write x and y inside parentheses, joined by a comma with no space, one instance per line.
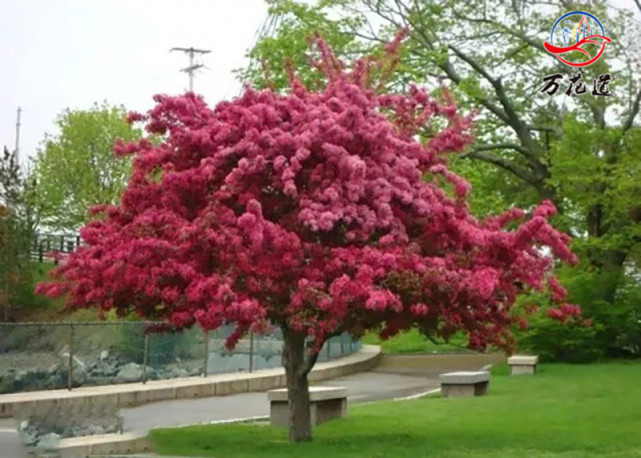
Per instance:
(7,383)
(79,373)
(107,367)
(131,372)
(49,442)
(178,372)
(29,433)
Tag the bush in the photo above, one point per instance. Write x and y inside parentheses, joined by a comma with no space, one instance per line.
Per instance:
(615,330)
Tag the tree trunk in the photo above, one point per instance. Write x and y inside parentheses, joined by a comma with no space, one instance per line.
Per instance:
(296,369)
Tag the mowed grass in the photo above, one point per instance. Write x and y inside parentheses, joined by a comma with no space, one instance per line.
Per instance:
(413,342)
(565,410)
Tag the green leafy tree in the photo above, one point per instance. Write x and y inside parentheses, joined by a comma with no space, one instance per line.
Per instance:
(579,151)
(76,168)
(17,226)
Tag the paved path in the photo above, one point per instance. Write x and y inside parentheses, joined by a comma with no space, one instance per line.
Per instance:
(394,377)
(10,443)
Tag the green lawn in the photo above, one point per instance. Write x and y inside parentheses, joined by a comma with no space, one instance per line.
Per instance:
(566,410)
(413,342)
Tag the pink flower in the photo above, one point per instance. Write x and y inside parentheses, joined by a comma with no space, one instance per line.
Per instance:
(310,209)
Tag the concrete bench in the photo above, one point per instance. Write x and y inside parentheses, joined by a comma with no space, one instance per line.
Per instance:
(522,365)
(464,384)
(326,402)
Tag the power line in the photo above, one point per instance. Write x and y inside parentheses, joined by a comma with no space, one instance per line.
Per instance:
(268,28)
(192,67)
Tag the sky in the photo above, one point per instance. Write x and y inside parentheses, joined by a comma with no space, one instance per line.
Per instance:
(58,54)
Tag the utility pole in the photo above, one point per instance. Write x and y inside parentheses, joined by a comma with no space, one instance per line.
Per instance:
(192,67)
(18,136)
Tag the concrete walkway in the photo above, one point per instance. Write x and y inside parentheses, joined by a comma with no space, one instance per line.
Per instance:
(394,377)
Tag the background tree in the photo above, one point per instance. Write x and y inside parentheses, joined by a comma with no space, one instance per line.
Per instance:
(17,227)
(76,168)
(309,211)
(575,150)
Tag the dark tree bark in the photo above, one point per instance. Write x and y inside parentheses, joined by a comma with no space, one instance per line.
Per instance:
(296,368)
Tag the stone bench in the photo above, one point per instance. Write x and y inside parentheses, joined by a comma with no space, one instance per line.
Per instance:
(522,365)
(464,384)
(326,402)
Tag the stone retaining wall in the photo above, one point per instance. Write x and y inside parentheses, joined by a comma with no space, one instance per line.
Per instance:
(134,394)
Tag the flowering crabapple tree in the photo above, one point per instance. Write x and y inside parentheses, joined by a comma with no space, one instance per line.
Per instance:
(319,212)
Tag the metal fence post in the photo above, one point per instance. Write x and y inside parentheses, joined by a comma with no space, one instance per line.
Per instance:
(257,365)
(206,353)
(329,352)
(145,358)
(251,351)
(70,367)
(342,345)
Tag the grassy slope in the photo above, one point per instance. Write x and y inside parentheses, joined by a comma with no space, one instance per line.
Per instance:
(46,309)
(576,411)
(413,342)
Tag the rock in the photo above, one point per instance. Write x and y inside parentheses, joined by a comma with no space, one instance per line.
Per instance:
(178,372)
(7,383)
(118,425)
(87,430)
(29,437)
(49,442)
(79,373)
(107,367)
(54,369)
(104,355)
(64,352)
(30,432)
(57,378)
(131,372)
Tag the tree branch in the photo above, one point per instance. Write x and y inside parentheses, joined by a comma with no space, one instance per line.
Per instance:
(313,357)
(308,365)
(513,119)
(554,130)
(514,146)
(482,153)
(474,64)
(635,105)
(521,36)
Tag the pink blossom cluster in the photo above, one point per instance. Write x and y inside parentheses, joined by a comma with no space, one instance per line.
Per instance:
(319,211)
(568,313)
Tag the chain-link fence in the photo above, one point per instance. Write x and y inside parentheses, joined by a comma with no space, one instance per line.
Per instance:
(39,356)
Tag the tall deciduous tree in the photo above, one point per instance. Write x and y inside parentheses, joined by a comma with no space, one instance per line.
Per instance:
(17,227)
(76,168)
(309,211)
(575,150)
